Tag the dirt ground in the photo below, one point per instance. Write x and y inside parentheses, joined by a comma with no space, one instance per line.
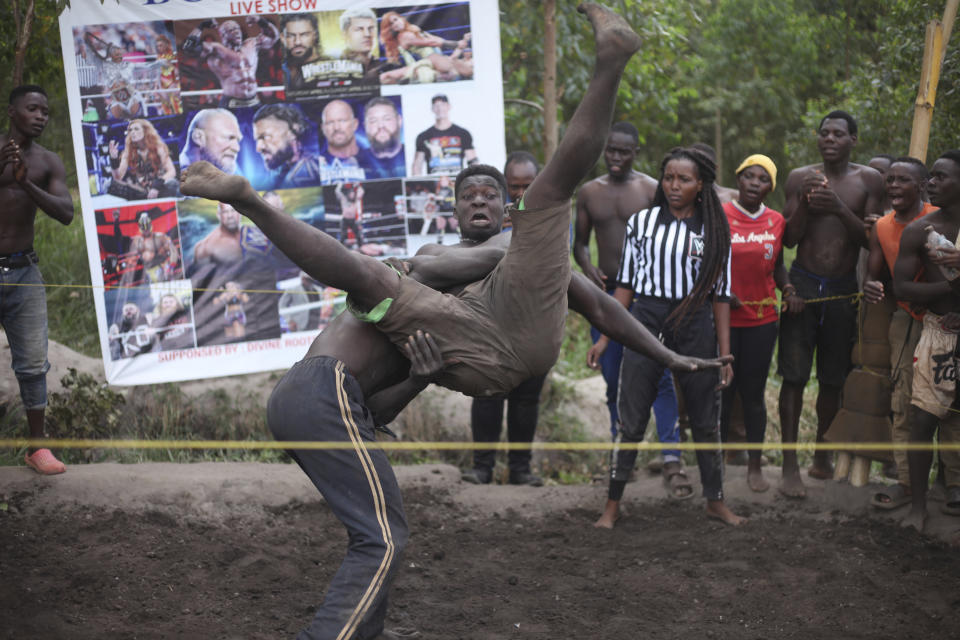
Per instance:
(246,550)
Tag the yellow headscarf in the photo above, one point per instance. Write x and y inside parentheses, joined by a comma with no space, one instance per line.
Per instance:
(763,161)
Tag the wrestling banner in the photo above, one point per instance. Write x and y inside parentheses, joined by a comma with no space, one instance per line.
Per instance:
(353,116)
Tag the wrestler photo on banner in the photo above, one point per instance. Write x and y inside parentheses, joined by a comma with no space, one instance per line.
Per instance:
(330,53)
(127,70)
(133,160)
(430,203)
(307,305)
(426,43)
(149,319)
(139,244)
(367,217)
(230,62)
(234,270)
(273,145)
(361,138)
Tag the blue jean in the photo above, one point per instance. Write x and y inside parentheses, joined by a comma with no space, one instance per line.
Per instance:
(23,315)
(664,407)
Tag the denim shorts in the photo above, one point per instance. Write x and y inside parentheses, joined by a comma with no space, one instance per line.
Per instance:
(23,315)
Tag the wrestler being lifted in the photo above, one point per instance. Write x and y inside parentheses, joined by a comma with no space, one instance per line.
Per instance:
(516,314)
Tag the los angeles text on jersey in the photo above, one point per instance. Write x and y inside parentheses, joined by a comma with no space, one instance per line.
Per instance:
(766,236)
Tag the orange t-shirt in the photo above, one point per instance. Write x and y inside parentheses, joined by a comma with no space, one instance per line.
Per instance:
(889,231)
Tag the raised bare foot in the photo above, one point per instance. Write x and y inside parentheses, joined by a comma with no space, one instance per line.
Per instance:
(791,485)
(610,515)
(916,519)
(756,481)
(203,180)
(616,41)
(718,510)
(822,468)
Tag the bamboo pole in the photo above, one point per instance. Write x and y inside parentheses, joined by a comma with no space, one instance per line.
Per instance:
(550,133)
(934,51)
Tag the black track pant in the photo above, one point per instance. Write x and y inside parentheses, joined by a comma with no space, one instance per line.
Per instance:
(318,400)
(486,422)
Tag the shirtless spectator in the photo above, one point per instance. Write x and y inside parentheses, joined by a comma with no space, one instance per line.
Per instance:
(157,254)
(905,180)
(351,212)
(934,402)
(31,178)
(604,205)
(882,162)
(234,59)
(825,211)
(214,136)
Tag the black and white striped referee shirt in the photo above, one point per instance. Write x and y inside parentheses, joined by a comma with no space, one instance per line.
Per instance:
(662,256)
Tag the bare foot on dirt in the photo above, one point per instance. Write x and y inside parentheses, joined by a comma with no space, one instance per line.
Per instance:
(756,481)
(916,519)
(718,510)
(203,180)
(610,515)
(616,41)
(791,485)
(822,467)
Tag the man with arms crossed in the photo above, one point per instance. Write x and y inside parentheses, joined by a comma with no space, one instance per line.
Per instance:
(934,402)
(825,210)
(31,178)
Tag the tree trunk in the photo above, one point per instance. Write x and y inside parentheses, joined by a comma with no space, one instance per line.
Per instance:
(24,27)
(550,134)
(935,50)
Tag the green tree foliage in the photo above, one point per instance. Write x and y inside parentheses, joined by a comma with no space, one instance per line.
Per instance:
(652,86)
(883,89)
(770,70)
(43,66)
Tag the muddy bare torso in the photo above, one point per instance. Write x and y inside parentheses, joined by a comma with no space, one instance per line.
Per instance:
(827,247)
(19,209)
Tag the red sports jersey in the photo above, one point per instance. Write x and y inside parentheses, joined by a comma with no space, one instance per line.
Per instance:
(755,245)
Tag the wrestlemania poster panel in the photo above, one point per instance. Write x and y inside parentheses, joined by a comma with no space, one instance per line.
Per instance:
(352,116)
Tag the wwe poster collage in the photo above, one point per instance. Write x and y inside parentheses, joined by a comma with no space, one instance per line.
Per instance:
(346,119)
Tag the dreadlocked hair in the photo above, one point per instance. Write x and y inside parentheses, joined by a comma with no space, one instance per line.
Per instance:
(716,231)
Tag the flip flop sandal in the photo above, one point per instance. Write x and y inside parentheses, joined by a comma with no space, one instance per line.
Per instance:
(891,498)
(674,480)
(951,504)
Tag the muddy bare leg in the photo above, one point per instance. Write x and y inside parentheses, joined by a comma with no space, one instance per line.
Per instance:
(922,427)
(587,131)
(610,515)
(828,403)
(791,399)
(718,510)
(321,256)
(755,479)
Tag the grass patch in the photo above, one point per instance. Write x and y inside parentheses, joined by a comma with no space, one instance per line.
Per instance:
(88,409)
(71,316)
